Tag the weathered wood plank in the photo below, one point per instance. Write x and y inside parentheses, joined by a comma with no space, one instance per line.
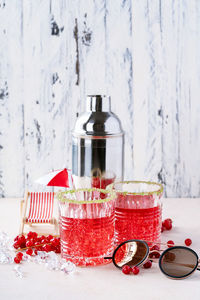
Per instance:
(180,39)
(92,47)
(147,90)
(119,72)
(38,54)
(65,83)
(11,100)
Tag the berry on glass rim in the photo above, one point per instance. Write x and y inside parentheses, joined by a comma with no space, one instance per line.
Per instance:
(135,270)
(29,251)
(170,243)
(17,260)
(126,269)
(147,265)
(188,242)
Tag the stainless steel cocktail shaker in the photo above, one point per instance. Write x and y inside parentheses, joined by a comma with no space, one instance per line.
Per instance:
(97,145)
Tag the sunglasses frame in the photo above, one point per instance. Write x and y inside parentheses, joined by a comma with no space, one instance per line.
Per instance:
(146,257)
(178,247)
(142,261)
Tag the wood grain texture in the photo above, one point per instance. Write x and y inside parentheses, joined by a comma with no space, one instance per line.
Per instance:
(11,99)
(145,54)
(119,71)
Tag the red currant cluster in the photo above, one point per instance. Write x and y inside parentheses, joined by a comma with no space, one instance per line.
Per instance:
(128,270)
(34,243)
(135,270)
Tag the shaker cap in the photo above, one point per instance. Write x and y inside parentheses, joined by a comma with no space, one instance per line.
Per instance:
(98,120)
(98,103)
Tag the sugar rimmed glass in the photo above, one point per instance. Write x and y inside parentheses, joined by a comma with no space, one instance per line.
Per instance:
(86,225)
(138,210)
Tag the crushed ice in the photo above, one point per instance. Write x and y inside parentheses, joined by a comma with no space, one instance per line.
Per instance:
(51,260)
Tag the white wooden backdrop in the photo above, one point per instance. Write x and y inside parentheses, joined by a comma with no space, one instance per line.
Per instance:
(145,54)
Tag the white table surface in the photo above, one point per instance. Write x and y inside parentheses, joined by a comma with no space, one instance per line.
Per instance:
(104,282)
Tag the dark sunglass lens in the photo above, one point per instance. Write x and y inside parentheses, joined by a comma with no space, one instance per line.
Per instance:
(178,262)
(131,253)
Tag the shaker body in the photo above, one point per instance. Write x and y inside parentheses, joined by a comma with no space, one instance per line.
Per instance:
(97,146)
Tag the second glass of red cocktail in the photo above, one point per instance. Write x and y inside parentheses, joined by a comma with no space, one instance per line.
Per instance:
(138,211)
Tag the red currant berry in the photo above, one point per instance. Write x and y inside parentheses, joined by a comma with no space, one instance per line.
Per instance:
(40,248)
(17,260)
(57,249)
(19,255)
(155,247)
(29,251)
(29,243)
(30,235)
(34,235)
(167,224)
(188,242)
(49,237)
(22,240)
(47,248)
(126,269)
(154,254)
(135,270)
(170,244)
(55,242)
(38,239)
(147,265)
(43,241)
(36,252)
(16,238)
(162,228)
(16,245)
(37,244)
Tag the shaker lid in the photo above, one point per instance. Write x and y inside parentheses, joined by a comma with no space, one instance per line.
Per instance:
(98,120)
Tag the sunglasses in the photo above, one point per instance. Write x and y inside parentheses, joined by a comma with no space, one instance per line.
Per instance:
(175,262)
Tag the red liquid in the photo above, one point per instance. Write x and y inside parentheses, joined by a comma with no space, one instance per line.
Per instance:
(101,183)
(87,241)
(144,224)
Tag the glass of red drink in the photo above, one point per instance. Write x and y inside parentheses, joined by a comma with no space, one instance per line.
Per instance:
(86,225)
(138,211)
